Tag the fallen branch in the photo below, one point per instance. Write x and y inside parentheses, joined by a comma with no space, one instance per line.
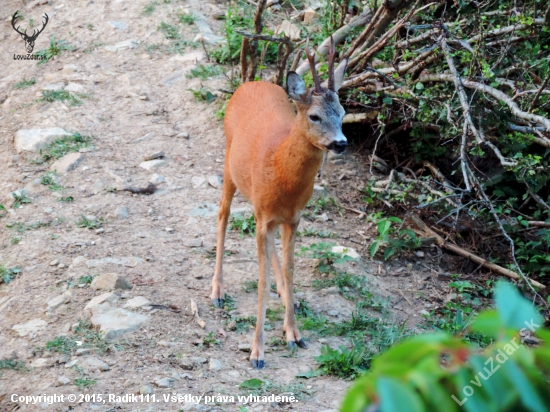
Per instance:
(195,313)
(497,94)
(149,190)
(470,256)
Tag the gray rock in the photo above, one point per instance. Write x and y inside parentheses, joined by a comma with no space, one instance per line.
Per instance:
(118,25)
(153,156)
(156,178)
(53,87)
(71,363)
(99,186)
(193,243)
(245,346)
(174,78)
(204,210)
(63,380)
(137,302)
(109,281)
(98,300)
(419,253)
(215,181)
(75,88)
(164,382)
(121,212)
(145,390)
(96,363)
(319,191)
(67,162)
(32,326)
(333,312)
(59,300)
(115,321)
(152,164)
(198,181)
(123,45)
(40,363)
(191,362)
(183,135)
(35,139)
(214,365)
(131,262)
(83,352)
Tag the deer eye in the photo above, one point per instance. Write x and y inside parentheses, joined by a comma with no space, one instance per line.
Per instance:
(314,118)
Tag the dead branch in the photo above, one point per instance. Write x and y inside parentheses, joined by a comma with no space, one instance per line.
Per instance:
(542,87)
(361,38)
(538,199)
(439,176)
(468,255)
(149,190)
(497,94)
(339,36)
(506,30)
(538,223)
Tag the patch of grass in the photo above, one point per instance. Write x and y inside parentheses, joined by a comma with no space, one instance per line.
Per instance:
(11,364)
(243,323)
(401,238)
(15,240)
(50,179)
(85,279)
(21,227)
(62,344)
(209,340)
(250,286)
(187,18)
(245,225)
(323,252)
(203,95)
(342,362)
(84,222)
(310,232)
(61,96)
(170,32)
(91,338)
(2,209)
(93,46)
(66,199)
(276,342)
(150,8)
(23,84)
(60,147)
(204,72)
(180,45)
(55,48)
(21,198)
(84,382)
(7,274)
(275,315)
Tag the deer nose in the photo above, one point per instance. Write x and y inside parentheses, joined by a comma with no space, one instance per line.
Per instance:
(338,147)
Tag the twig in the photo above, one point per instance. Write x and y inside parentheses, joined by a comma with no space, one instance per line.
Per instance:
(195,313)
(470,256)
(539,92)
(404,297)
(368,29)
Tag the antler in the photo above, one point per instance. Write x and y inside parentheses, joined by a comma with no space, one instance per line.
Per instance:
(35,33)
(311,57)
(13,20)
(331,65)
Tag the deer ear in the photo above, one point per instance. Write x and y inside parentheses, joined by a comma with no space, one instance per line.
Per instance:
(339,74)
(296,86)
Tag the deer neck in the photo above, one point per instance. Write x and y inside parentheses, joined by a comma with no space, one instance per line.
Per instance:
(297,161)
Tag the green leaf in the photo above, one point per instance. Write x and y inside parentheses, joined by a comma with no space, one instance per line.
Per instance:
(397,397)
(516,312)
(383,226)
(374,248)
(252,384)
(387,100)
(309,374)
(419,86)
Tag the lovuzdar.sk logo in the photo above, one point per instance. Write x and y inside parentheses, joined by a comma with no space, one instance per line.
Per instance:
(29,39)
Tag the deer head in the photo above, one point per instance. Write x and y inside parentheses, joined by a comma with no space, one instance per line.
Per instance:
(319,109)
(29,40)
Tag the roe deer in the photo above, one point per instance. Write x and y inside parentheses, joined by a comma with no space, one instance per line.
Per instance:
(273,155)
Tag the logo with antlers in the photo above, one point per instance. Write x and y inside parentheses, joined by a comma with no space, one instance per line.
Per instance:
(29,40)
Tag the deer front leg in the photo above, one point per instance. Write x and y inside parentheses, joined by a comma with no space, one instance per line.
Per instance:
(288,239)
(265,237)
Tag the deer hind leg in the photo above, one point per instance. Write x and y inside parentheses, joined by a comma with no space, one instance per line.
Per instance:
(265,237)
(228,191)
(288,239)
(278,272)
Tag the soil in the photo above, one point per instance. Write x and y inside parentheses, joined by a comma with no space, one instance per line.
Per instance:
(137,103)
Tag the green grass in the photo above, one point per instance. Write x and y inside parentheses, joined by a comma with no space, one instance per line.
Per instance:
(50,179)
(54,49)
(85,279)
(91,337)
(204,72)
(23,84)
(187,18)
(60,147)
(343,363)
(11,364)
(66,199)
(86,223)
(245,225)
(21,227)
(150,8)
(7,274)
(250,286)
(20,199)
(243,323)
(170,32)
(84,382)
(309,232)
(203,95)
(62,344)
(50,96)
(276,314)
(15,240)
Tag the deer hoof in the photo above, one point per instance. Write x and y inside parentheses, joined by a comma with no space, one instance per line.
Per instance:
(257,364)
(291,345)
(302,344)
(218,302)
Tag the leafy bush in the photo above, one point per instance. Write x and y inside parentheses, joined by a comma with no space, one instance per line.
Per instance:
(439,372)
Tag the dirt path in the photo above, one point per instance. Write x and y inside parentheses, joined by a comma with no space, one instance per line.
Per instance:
(136,104)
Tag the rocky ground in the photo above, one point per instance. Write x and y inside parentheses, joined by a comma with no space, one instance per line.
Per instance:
(104,300)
